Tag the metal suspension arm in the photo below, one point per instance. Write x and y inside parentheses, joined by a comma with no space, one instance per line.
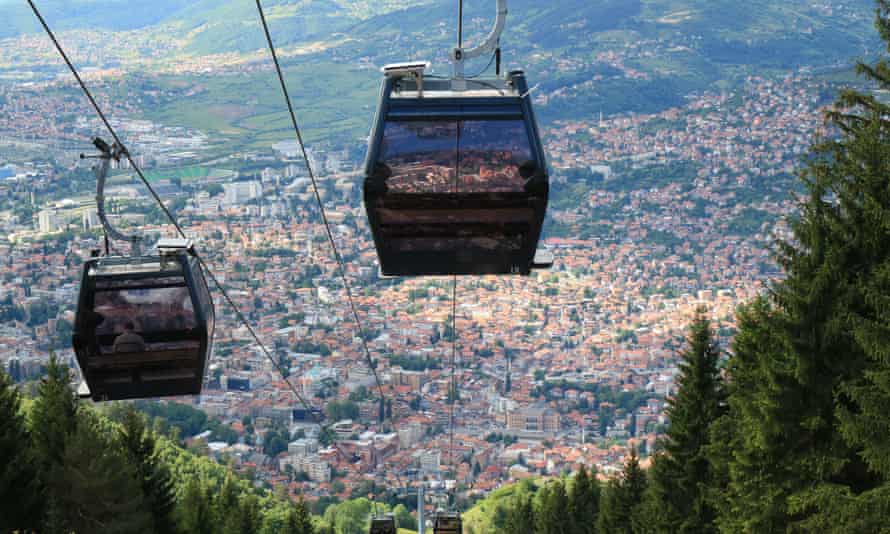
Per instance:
(108,153)
(459,55)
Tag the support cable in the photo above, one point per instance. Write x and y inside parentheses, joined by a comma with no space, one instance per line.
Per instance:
(324,217)
(452,394)
(240,316)
(460,23)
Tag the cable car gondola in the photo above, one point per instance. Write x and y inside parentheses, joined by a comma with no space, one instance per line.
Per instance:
(455,178)
(383,525)
(144,324)
(448,523)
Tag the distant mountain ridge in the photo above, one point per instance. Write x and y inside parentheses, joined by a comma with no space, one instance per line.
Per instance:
(677,46)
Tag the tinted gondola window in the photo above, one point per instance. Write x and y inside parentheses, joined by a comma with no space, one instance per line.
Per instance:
(490,153)
(203,294)
(421,156)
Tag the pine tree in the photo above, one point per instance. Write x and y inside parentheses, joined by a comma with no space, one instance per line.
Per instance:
(95,486)
(864,216)
(751,460)
(584,502)
(553,505)
(53,420)
(300,519)
(54,415)
(678,500)
(520,516)
(153,476)
(19,508)
(196,509)
(620,502)
(810,434)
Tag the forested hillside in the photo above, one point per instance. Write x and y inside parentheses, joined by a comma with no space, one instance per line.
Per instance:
(67,468)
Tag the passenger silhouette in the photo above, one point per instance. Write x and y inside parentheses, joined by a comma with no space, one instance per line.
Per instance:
(129,341)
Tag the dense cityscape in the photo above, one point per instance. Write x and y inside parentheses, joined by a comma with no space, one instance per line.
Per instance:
(653,215)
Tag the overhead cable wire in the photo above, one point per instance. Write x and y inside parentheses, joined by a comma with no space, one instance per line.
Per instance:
(324,217)
(460,23)
(452,394)
(278,367)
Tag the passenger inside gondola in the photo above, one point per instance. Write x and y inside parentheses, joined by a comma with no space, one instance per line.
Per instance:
(147,314)
(129,341)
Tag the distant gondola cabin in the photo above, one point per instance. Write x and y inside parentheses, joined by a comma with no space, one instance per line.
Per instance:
(447,523)
(383,525)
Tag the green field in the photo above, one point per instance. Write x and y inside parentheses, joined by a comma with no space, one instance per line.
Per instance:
(248,112)
(187,175)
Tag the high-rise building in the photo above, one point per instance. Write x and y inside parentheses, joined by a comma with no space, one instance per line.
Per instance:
(48,221)
(90,219)
(241,192)
(533,419)
(430,461)
(302,447)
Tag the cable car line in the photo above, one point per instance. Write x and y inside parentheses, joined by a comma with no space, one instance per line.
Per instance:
(256,338)
(452,394)
(324,217)
(123,151)
(460,23)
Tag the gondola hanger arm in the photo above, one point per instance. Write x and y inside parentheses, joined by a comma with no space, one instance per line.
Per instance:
(459,55)
(106,154)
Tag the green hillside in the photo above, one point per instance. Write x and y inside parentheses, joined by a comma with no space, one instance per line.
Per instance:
(73,467)
(658,51)
(115,15)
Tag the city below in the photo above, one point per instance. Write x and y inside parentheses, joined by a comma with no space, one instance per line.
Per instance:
(653,215)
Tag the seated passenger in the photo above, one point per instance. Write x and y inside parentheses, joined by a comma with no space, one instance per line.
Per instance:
(129,341)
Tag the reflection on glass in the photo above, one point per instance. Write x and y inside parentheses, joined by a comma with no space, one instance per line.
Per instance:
(491,153)
(422,156)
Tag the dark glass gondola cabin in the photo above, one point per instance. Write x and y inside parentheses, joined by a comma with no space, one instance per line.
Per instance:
(455,180)
(448,523)
(383,525)
(144,325)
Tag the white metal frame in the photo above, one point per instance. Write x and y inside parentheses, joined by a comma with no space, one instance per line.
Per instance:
(459,55)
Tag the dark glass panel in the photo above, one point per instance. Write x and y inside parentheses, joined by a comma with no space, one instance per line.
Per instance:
(120,283)
(203,294)
(491,153)
(466,216)
(421,156)
(142,320)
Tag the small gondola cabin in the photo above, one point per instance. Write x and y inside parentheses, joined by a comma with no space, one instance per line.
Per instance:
(455,180)
(448,523)
(383,525)
(144,325)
